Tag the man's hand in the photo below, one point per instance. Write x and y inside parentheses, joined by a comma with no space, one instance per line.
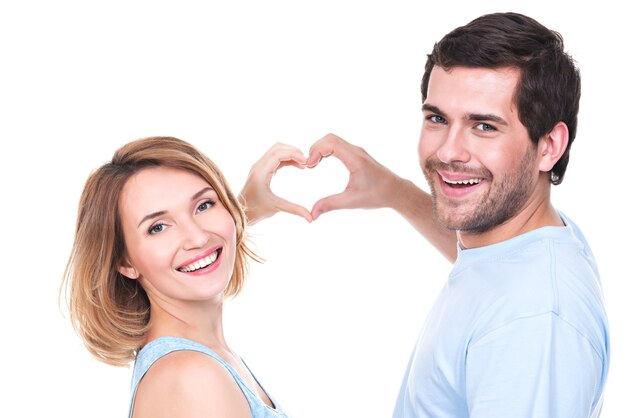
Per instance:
(370,185)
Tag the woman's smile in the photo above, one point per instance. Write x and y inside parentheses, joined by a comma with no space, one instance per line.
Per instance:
(204,263)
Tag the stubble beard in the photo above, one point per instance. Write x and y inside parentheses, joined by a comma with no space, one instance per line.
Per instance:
(502,202)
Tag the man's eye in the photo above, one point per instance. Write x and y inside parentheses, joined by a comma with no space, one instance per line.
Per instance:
(207,204)
(485,127)
(436,119)
(155,229)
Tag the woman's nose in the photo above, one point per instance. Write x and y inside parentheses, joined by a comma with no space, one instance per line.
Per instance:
(195,236)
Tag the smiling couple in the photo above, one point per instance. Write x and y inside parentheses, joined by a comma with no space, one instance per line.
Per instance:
(519,328)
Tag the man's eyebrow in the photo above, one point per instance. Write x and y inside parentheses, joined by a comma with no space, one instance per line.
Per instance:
(430,108)
(472,116)
(163,212)
(487,117)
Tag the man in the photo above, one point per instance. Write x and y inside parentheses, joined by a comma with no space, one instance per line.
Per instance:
(519,329)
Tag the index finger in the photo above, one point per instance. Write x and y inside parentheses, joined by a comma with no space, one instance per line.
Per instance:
(329,145)
(279,155)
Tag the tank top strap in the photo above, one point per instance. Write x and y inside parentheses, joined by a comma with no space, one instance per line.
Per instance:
(162,346)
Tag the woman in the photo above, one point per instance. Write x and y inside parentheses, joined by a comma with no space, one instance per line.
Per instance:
(160,243)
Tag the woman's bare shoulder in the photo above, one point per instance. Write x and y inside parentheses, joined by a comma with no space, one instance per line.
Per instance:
(189,384)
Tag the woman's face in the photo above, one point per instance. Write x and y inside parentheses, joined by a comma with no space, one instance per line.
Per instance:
(180,239)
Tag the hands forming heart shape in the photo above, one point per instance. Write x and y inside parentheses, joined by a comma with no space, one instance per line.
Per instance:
(370,185)
(308,185)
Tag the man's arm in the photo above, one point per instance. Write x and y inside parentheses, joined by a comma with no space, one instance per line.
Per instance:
(372,185)
(538,366)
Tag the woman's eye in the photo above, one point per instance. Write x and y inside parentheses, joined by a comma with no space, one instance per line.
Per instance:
(205,205)
(155,229)
(485,127)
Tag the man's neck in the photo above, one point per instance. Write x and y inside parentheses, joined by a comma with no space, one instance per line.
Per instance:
(536,214)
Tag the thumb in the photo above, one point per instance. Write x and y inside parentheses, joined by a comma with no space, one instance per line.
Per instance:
(314,159)
(330,203)
(292,208)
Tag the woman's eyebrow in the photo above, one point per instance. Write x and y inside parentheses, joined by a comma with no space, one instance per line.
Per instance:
(151,216)
(163,212)
(201,192)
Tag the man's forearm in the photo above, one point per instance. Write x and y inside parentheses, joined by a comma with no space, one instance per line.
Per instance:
(416,207)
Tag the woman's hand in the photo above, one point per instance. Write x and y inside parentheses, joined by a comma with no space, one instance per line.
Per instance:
(257,197)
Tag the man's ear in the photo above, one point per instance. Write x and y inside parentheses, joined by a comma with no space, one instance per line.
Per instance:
(127,270)
(552,146)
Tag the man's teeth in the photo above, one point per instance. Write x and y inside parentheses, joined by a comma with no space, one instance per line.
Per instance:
(465,182)
(202,263)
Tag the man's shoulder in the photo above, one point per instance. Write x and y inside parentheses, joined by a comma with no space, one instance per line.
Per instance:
(549,271)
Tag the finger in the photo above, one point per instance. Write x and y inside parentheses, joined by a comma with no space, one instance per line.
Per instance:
(287,206)
(286,163)
(337,201)
(289,151)
(278,154)
(288,157)
(314,159)
(290,163)
(320,149)
(333,145)
(292,154)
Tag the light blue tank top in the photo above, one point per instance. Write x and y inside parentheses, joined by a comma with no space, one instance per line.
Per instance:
(158,348)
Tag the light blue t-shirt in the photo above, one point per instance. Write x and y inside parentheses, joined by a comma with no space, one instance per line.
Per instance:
(519,330)
(162,346)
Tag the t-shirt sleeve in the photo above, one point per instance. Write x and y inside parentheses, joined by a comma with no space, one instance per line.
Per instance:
(539,366)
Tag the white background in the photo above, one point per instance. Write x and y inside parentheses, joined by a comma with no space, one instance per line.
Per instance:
(328,322)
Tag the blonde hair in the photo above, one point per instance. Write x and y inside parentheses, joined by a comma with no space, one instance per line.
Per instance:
(109,311)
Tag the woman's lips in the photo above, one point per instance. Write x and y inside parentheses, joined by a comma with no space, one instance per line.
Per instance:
(202,263)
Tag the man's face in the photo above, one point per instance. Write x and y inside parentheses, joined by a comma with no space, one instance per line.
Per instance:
(479,161)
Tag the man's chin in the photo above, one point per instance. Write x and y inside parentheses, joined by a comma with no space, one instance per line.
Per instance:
(450,219)
(466,224)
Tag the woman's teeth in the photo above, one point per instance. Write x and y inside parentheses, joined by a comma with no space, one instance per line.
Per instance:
(202,263)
